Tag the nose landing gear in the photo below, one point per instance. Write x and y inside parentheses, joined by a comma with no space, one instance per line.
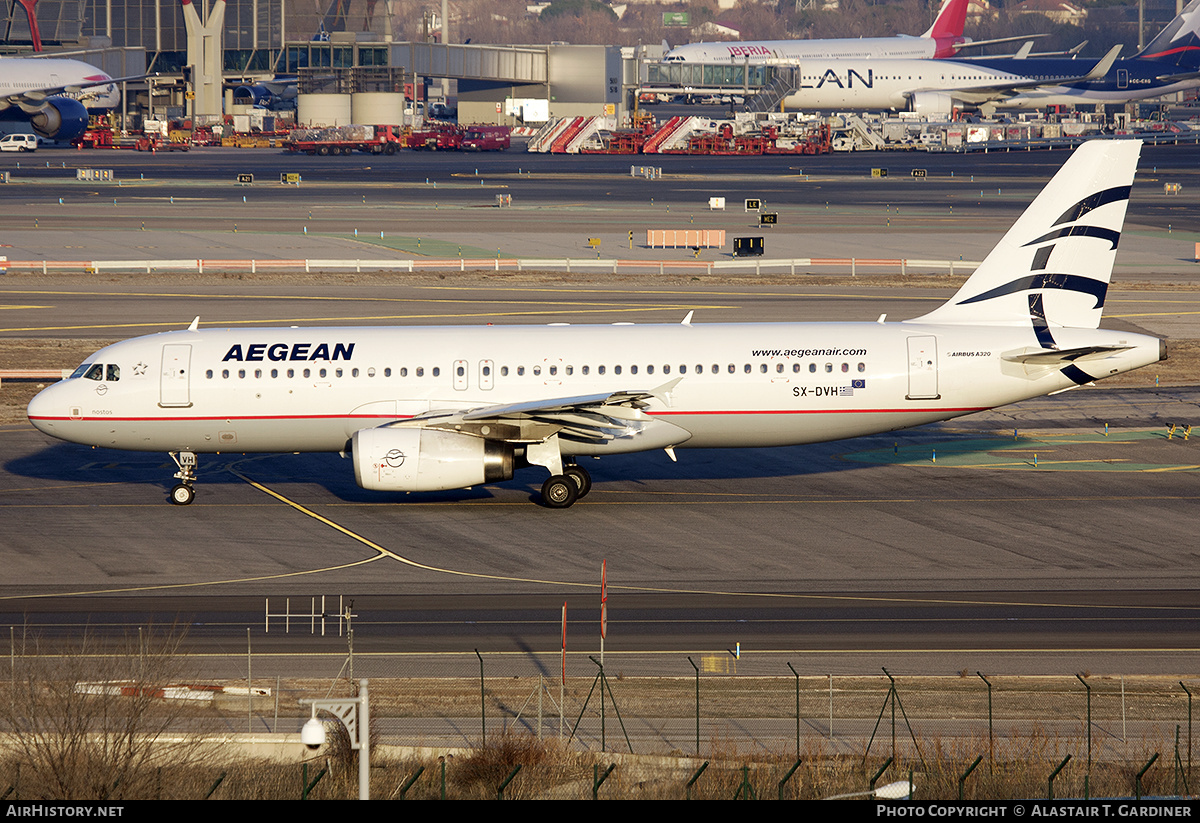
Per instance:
(182,493)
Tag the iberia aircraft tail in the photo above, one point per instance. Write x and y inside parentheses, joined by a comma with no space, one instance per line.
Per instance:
(950,21)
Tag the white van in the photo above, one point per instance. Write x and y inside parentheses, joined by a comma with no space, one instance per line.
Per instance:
(18,142)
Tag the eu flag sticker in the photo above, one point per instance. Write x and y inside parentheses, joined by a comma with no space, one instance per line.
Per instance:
(858,384)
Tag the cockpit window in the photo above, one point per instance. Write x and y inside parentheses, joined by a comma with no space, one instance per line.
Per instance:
(114,372)
(79,371)
(96,372)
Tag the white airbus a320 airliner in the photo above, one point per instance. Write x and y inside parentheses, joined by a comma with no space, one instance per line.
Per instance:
(423,409)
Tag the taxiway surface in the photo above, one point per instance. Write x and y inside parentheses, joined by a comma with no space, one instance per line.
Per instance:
(843,556)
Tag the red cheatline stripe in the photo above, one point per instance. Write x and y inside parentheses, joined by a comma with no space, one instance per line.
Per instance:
(406,417)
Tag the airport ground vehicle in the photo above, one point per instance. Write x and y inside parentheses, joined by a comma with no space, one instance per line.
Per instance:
(18,142)
(486,138)
(435,135)
(346,140)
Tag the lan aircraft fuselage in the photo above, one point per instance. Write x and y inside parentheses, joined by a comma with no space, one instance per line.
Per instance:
(1170,63)
(422,409)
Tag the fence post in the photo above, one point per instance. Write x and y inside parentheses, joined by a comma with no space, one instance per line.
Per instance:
(482,704)
(1138,780)
(697,668)
(788,776)
(1189,698)
(1089,721)
(1054,774)
(991,735)
(797,675)
(695,777)
(962,780)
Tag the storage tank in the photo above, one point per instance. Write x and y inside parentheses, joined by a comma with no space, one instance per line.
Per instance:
(378,107)
(316,110)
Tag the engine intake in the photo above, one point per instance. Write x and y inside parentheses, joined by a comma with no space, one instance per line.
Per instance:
(60,118)
(422,460)
(932,102)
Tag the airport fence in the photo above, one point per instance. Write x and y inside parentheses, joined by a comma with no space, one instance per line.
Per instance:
(757,265)
(688,709)
(1064,736)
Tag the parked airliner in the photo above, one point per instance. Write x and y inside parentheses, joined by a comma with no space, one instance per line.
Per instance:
(54,94)
(424,409)
(943,39)
(1170,63)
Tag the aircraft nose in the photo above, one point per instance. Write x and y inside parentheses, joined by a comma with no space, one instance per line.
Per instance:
(48,409)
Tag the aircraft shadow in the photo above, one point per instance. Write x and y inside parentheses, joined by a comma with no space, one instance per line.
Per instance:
(71,463)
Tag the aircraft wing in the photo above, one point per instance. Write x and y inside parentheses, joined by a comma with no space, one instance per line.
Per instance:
(974,44)
(589,417)
(1004,89)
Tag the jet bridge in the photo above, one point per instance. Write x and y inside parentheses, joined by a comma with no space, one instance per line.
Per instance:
(709,78)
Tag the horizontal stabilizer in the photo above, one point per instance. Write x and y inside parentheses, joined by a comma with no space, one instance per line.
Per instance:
(1061,357)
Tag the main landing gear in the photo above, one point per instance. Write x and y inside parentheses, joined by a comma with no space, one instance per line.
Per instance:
(561,491)
(183,493)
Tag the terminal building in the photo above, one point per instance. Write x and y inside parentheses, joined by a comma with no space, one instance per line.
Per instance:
(349,65)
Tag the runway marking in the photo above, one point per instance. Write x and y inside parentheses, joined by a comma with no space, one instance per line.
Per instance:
(345,318)
(197,585)
(332,299)
(20,308)
(384,552)
(674,292)
(388,552)
(959,454)
(55,488)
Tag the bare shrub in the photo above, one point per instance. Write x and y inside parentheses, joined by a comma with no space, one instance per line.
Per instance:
(89,722)
(544,764)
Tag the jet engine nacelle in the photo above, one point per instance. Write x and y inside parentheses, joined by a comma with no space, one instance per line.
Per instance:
(60,118)
(408,459)
(252,95)
(932,102)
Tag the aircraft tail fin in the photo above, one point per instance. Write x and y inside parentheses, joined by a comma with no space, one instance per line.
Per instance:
(1053,266)
(1179,43)
(950,21)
